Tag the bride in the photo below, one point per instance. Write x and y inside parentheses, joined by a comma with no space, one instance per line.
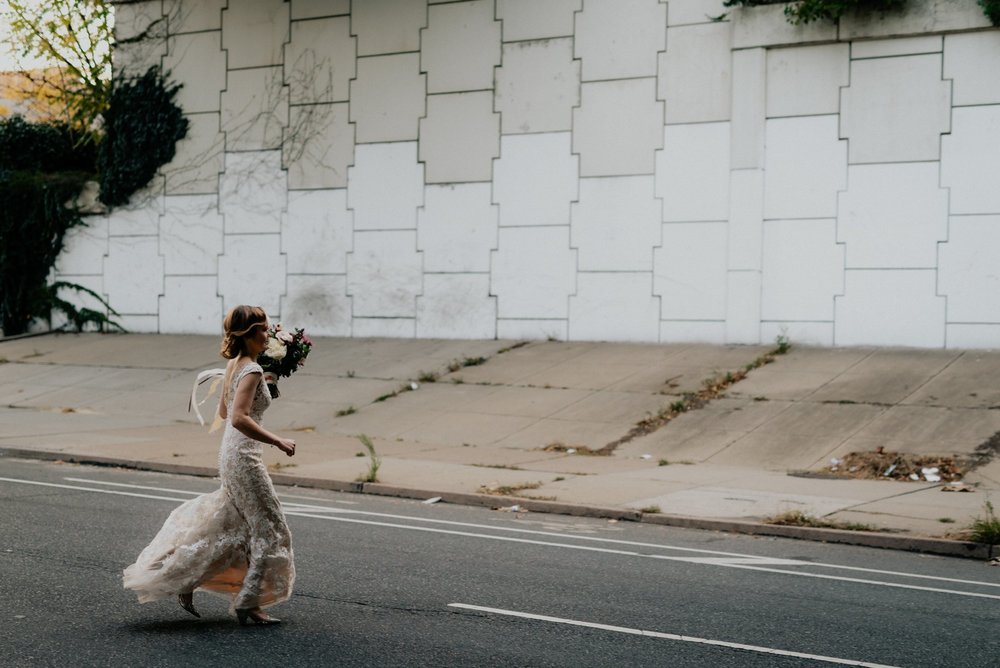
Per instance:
(233,541)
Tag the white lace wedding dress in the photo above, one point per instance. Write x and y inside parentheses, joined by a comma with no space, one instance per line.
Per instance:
(233,541)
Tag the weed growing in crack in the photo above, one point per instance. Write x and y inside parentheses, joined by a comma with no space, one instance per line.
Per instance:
(374,461)
(797,518)
(427,377)
(650,510)
(350,410)
(986,529)
(508,490)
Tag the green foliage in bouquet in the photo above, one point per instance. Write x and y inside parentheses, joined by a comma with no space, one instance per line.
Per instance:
(142,126)
(284,354)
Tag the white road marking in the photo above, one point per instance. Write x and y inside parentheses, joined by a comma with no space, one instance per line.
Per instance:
(667,636)
(720,558)
(733,560)
(186,491)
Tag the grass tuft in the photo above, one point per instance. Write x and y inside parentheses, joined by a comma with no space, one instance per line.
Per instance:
(986,529)
(797,518)
(374,461)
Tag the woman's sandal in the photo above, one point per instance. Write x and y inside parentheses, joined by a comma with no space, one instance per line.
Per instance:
(187,602)
(255,616)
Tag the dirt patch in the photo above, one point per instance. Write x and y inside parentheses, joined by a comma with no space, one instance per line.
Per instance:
(885,465)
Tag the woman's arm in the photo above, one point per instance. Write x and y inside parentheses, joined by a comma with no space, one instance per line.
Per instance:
(245,424)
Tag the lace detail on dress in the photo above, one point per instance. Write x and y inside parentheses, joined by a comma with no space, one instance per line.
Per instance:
(233,541)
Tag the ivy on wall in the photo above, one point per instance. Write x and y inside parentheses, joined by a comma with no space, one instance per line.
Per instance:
(44,167)
(808,11)
(141,129)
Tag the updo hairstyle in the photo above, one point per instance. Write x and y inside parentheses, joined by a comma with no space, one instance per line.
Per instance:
(238,323)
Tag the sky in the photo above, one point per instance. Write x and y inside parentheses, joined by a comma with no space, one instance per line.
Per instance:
(7,60)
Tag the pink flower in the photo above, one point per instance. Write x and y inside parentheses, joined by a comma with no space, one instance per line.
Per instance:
(285,337)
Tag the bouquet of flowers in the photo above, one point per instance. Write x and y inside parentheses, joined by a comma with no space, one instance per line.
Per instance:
(285,353)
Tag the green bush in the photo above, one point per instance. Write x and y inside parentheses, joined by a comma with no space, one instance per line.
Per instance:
(992,10)
(807,11)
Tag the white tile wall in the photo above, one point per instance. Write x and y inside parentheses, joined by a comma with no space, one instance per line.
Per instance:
(749,108)
(616,224)
(692,172)
(193,15)
(319,304)
(457,228)
(890,308)
(689,271)
(252,270)
(895,109)
(133,274)
(533,272)
(615,306)
(460,46)
(743,302)
(569,153)
(695,74)
(530,19)
(618,127)
(971,61)
(140,216)
(970,158)
(535,179)
(892,216)
(198,60)
(620,38)
(311,9)
(803,270)
(253,33)
(84,248)
(964,336)
(199,158)
(967,270)
(387,26)
(317,232)
(806,166)
(387,97)
(907,46)
(746,219)
(253,192)
(190,305)
(191,235)
(320,60)
(254,109)
(456,306)
(537,86)
(460,137)
(806,80)
(380,169)
(319,146)
(384,274)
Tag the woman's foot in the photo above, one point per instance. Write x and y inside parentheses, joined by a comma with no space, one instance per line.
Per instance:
(255,616)
(187,602)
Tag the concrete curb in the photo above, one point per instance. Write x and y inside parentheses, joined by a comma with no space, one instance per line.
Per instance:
(938,546)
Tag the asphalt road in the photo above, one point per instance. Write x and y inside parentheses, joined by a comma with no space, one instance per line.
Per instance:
(385,582)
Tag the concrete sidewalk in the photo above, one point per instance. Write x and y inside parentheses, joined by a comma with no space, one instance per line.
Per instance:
(508,423)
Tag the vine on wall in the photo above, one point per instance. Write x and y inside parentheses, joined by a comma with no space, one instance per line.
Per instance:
(807,11)
(43,168)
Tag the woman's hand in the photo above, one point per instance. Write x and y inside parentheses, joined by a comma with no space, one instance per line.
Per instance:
(286,445)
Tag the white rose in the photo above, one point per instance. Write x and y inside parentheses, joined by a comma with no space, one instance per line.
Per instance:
(275,349)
